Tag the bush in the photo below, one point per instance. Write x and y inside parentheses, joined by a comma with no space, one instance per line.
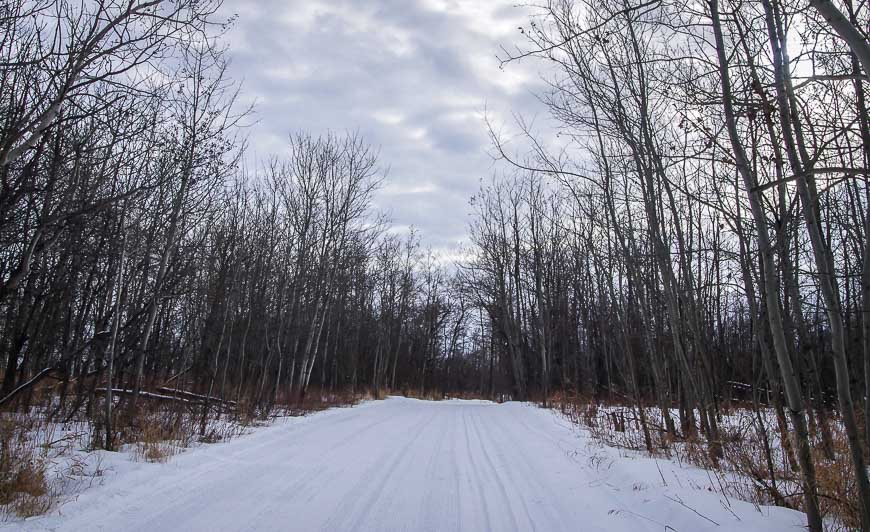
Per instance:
(754,465)
(24,490)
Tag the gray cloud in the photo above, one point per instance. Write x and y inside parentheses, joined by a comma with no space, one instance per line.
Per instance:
(413,77)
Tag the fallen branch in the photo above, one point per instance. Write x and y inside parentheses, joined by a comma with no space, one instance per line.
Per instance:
(684,505)
(191,395)
(32,382)
(149,395)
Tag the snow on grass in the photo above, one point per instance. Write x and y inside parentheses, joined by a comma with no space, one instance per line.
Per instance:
(406,464)
(753,465)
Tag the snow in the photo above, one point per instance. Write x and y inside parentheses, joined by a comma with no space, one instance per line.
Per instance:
(404,464)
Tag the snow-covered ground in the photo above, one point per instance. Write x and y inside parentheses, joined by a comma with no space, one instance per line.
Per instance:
(404,464)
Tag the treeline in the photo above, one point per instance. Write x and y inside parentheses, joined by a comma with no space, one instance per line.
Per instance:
(697,228)
(142,261)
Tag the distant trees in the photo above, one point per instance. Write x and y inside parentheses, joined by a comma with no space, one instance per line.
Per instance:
(140,260)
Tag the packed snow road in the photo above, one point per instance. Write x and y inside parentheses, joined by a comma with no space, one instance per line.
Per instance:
(403,464)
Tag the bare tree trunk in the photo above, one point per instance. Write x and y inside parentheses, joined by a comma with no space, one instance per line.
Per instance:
(824,261)
(110,356)
(789,377)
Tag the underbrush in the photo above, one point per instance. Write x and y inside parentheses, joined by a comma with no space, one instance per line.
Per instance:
(38,461)
(24,488)
(47,456)
(158,435)
(316,400)
(436,395)
(756,463)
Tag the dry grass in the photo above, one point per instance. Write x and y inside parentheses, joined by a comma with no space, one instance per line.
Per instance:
(436,395)
(754,466)
(838,488)
(158,433)
(37,465)
(414,393)
(316,400)
(158,440)
(28,493)
(24,489)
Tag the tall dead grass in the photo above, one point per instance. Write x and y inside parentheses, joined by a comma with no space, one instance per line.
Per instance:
(24,488)
(754,465)
(40,456)
(316,400)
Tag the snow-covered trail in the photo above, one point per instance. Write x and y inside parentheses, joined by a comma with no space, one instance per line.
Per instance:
(403,464)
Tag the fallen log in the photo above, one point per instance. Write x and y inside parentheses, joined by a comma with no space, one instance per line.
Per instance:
(149,395)
(191,395)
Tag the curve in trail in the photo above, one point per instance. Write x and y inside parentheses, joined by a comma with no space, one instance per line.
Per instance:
(403,464)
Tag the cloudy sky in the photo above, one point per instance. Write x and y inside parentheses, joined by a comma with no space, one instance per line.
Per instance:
(413,76)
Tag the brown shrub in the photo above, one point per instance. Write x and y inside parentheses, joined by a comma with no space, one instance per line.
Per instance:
(746,470)
(316,400)
(157,435)
(24,490)
(838,488)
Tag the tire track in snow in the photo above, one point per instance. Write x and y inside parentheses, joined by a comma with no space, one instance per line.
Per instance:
(394,465)
(229,456)
(528,477)
(500,480)
(360,500)
(431,513)
(476,480)
(492,472)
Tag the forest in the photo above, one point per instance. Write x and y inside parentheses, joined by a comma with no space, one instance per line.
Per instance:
(686,237)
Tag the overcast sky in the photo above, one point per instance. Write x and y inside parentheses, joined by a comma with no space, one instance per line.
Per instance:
(413,76)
